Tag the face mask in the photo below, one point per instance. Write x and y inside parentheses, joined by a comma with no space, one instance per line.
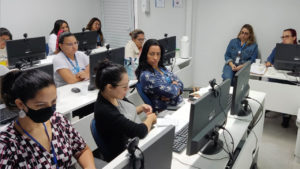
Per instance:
(41,115)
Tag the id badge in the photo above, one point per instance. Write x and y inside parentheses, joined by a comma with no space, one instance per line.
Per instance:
(237,60)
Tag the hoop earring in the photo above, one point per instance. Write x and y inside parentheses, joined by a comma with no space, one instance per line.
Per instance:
(22,114)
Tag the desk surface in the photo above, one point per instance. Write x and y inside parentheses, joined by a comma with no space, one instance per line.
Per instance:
(273,73)
(236,127)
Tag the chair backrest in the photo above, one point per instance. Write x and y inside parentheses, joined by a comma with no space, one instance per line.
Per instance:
(142,94)
(100,143)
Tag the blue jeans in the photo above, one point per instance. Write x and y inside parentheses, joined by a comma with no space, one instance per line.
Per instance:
(228,73)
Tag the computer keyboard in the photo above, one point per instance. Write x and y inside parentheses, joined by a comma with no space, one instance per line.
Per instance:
(180,139)
(7,115)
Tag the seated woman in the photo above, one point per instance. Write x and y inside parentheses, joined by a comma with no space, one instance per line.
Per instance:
(95,25)
(161,86)
(58,25)
(70,65)
(40,137)
(289,36)
(133,50)
(240,50)
(5,35)
(116,118)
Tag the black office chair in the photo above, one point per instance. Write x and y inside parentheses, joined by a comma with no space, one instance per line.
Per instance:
(99,141)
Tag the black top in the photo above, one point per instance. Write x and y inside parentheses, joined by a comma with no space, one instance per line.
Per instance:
(114,128)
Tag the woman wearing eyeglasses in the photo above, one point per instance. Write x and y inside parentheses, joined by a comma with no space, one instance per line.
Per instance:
(133,50)
(70,65)
(116,117)
(240,50)
(289,36)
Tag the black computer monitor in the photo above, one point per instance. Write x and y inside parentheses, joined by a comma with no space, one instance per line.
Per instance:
(206,115)
(25,52)
(241,88)
(48,68)
(157,152)
(169,46)
(114,55)
(87,40)
(287,57)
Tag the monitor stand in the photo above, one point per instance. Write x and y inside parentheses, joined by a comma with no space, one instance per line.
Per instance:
(214,146)
(91,87)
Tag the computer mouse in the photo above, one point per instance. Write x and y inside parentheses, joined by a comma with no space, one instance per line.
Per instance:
(75,90)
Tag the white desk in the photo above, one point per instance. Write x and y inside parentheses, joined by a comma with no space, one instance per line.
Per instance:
(236,127)
(283,98)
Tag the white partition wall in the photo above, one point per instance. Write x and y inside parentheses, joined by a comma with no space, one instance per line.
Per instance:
(216,22)
(37,17)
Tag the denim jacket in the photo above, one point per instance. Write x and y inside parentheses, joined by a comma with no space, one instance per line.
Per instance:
(248,53)
(272,56)
(155,85)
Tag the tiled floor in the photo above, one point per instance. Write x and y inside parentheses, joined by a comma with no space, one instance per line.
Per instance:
(278,144)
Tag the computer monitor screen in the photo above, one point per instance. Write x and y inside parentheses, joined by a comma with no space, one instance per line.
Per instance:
(169,46)
(157,152)
(206,114)
(114,55)
(87,40)
(25,52)
(241,89)
(287,57)
(45,68)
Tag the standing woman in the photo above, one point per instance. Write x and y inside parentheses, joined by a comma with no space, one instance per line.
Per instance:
(116,118)
(289,36)
(58,25)
(161,86)
(95,25)
(70,65)
(133,50)
(40,137)
(240,50)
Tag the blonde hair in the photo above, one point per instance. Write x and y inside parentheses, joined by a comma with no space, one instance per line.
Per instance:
(134,34)
(251,38)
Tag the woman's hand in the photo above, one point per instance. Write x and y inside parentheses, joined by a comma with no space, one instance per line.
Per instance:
(239,67)
(233,67)
(146,108)
(82,75)
(268,64)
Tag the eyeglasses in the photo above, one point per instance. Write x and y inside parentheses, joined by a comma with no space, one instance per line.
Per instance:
(286,36)
(245,33)
(3,40)
(141,40)
(71,44)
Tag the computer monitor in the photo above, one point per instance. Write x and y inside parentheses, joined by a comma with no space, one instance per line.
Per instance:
(206,115)
(287,57)
(239,105)
(48,68)
(157,152)
(114,55)
(169,46)
(25,52)
(87,40)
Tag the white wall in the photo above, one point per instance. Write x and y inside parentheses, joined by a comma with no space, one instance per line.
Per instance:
(37,17)
(162,20)
(216,22)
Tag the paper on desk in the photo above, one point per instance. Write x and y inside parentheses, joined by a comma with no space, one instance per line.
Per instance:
(167,120)
(259,69)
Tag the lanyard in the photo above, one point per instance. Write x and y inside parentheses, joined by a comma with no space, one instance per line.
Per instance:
(53,151)
(242,47)
(168,79)
(75,68)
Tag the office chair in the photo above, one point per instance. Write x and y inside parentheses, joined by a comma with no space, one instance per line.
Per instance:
(100,143)
(142,94)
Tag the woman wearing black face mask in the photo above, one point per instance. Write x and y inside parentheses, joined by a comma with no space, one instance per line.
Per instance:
(40,137)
